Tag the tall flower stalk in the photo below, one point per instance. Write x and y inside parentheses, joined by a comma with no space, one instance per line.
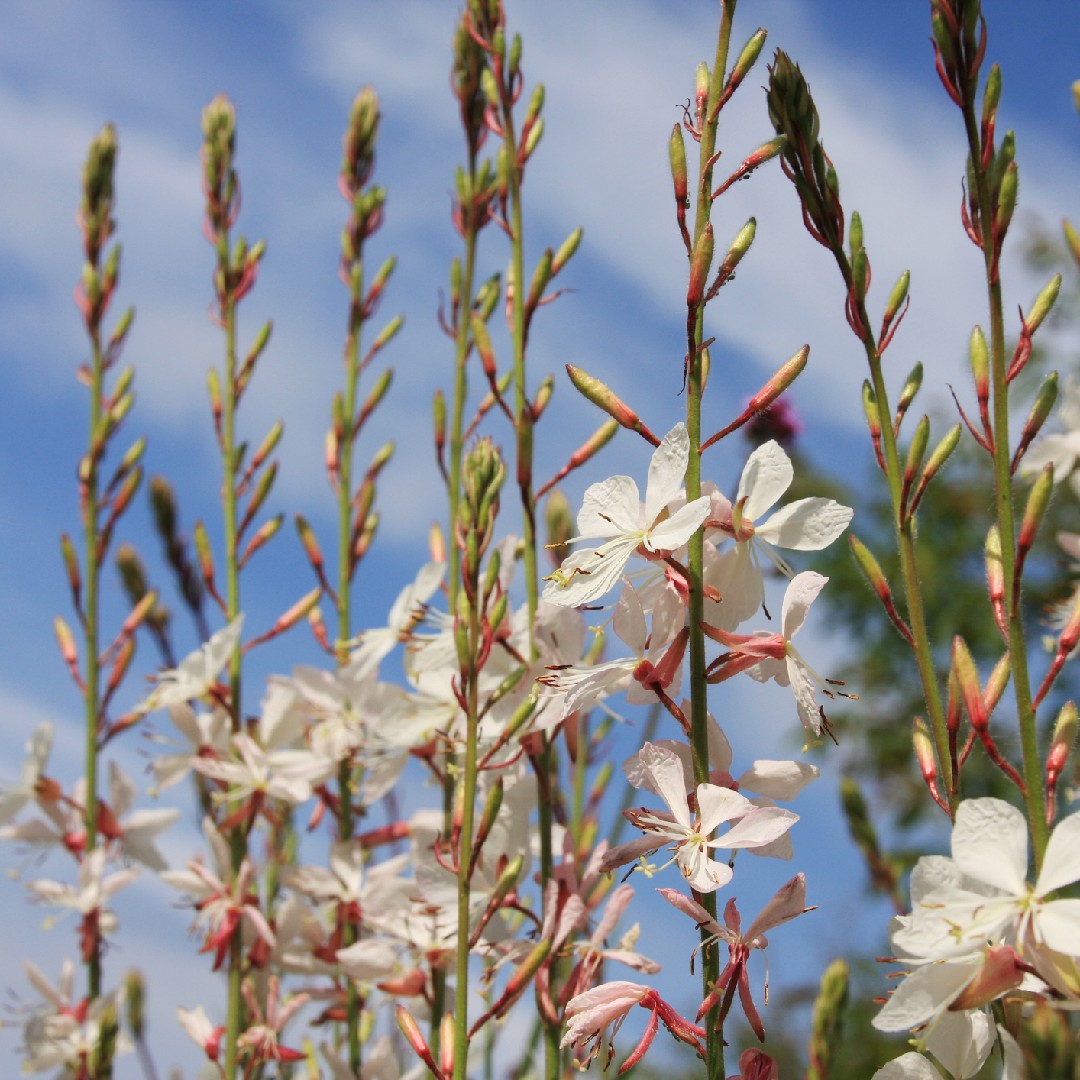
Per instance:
(234,275)
(102,501)
(356,520)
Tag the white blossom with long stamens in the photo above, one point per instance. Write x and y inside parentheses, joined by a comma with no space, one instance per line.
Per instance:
(613,510)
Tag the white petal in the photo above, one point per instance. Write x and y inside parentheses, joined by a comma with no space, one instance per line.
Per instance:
(611,507)
(666,771)
(1061,865)
(671,534)
(801,593)
(989,843)
(736,576)
(703,873)
(1057,924)
(765,477)
(910,1066)
(629,620)
(962,1041)
(590,573)
(924,992)
(667,471)
(778,779)
(762,825)
(719,804)
(805,691)
(806,525)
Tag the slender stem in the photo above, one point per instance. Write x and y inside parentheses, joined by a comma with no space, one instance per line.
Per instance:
(350,932)
(904,527)
(91,509)
(237,837)
(1034,793)
(523,427)
(699,708)
(465,848)
(458,403)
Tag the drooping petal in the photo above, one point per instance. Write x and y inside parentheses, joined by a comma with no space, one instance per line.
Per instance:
(765,477)
(805,525)
(611,507)
(1061,864)
(800,594)
(667,471)
(989,843)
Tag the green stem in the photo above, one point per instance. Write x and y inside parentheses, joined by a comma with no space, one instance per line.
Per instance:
(699,707)
(457,453)
(1034,791)
(350,932)
(904,527)
(465,850)
(523,427)
(237,837)
(91,537)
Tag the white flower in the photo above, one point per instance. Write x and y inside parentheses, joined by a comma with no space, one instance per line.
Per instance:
(197,673)
(692,837)
(613,509)
(804,525)
(14,798)
(767,655)
(987,897)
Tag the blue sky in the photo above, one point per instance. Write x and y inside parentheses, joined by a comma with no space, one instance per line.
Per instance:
(616,74)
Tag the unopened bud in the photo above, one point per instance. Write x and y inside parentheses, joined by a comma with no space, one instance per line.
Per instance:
(1044,302)
(134,1002)
(897,296)
(907,395)
(677,160)
(1072,238)
(559,523)
(747,58)
(855,234)
(997,683)
(701,88)
(1061,742)
(739,247)
(916,452)
(991,94)
(942,452)
(567,250)
(1006,203)
(967,679)
(700,265)
(980,362)
(532,139)
(601,396)
(995,578)
(924,752)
